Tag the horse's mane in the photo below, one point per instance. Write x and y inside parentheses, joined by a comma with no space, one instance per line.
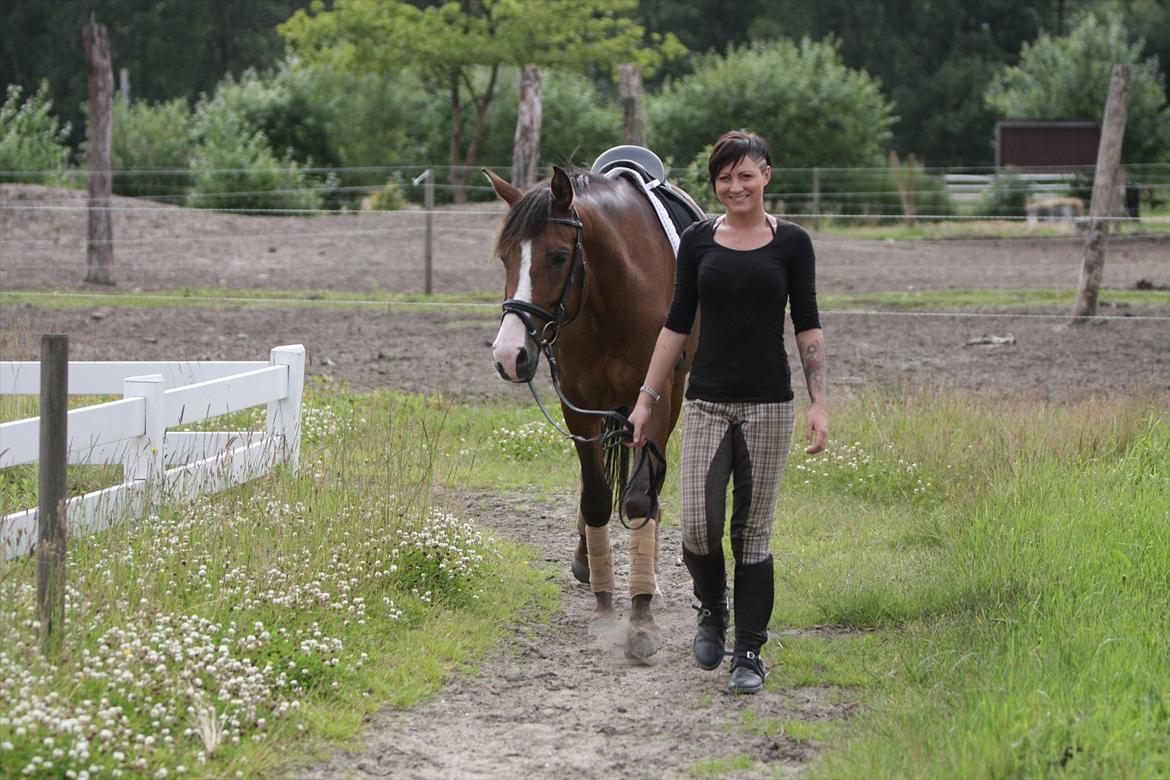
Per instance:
(529,215)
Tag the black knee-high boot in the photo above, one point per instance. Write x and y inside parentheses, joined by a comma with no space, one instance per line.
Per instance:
(754,595)
(710,585)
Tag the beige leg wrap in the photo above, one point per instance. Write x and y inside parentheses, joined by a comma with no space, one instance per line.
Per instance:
(600,559)
(643,544)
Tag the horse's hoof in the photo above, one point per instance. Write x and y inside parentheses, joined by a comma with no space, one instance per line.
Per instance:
(642,641)
(581,571)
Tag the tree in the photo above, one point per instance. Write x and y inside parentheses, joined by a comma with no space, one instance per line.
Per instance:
(459,47)
(812,109)
(1068,78)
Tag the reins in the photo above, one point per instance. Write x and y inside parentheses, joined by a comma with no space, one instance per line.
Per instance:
(616,428)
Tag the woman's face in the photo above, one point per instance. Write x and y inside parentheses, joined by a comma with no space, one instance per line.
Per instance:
(740,187)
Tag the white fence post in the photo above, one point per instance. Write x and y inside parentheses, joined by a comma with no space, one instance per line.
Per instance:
(143,459)
(284,416)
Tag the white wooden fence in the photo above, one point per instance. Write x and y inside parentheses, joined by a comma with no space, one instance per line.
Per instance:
(158,465)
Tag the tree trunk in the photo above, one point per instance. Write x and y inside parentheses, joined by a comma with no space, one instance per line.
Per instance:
(455,161)
(526,147)
(633,104)
(100,244)
(1104,196)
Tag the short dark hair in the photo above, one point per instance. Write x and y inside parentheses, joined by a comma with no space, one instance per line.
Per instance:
(732,147)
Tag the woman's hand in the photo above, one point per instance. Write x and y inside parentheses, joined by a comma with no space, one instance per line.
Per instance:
(639,418)
(817,429)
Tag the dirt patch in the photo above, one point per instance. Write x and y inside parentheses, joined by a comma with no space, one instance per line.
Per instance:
(559,702)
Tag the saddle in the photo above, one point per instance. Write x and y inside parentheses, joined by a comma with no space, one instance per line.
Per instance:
(646,169)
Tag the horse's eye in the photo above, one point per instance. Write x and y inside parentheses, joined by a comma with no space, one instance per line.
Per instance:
(560,258)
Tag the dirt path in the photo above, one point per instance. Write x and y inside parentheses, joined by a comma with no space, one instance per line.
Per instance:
(558,702)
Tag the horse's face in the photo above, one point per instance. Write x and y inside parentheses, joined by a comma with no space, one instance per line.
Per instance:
(538,256)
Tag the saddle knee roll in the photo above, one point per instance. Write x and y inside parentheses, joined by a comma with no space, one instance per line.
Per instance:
(600,559)
(643,552)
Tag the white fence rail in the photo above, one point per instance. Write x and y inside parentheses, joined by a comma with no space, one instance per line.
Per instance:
(158,465)
(973,186)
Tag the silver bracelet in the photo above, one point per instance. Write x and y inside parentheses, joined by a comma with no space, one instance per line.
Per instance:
(650,391)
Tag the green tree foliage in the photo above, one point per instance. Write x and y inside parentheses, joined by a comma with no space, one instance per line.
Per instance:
(1068,78)
(233,165)
(447,43)
(32,141)
(813,110)
(151,148)
(171,48)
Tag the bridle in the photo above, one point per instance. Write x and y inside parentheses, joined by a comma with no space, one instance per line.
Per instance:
(546,338)
(617,429)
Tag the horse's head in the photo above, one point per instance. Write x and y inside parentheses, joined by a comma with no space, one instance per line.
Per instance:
(540,247)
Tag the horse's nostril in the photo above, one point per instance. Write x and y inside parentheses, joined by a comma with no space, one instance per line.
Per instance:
(522,361)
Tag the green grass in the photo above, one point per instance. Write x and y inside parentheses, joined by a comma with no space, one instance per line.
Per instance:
(997,573)
(483,302)
(1015,603)
(1149,225)
(298,603)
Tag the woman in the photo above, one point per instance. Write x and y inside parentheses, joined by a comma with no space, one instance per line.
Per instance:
(740,269)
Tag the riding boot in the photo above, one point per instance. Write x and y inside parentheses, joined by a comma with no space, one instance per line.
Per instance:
(754,595)
(710,587)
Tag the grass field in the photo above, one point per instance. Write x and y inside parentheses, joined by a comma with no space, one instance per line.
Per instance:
(1002,570)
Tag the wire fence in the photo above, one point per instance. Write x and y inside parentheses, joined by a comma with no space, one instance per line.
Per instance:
(876,194)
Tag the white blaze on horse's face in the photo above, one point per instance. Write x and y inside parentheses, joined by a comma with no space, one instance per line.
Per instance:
(513,336)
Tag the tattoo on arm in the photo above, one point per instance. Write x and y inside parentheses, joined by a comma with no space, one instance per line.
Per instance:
(811,356)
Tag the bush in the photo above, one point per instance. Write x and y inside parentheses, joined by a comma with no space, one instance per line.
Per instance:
(32,141)
(1007,197)
(152,149)
(812,109)
(233,167)
(1063,78)
(389,198)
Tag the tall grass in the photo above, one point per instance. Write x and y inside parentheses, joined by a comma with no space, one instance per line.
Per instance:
(1010,567)
(209,637)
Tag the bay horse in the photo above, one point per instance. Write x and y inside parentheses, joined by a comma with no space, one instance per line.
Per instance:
(589,276)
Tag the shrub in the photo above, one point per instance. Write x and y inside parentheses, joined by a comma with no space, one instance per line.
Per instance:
(234,167)
(389,198)
(1007,196)
(810,107)
(152,149)
(32,141)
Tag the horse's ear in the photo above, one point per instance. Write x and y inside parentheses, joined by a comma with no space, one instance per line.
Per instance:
(562,189)
(509,193)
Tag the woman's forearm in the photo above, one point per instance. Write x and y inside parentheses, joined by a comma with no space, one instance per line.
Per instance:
(811,345)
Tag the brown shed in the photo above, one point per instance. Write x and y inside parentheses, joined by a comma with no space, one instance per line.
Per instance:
(1031,144)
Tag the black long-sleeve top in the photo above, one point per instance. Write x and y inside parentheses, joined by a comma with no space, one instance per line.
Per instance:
(742,294)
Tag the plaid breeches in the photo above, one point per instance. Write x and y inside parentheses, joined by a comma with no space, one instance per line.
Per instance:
(746,444)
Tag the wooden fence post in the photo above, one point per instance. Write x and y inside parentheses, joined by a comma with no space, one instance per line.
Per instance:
(100,242)
(633,104)
(526,147)
(51,521)
(1104,193)
(428,210)
(284,416)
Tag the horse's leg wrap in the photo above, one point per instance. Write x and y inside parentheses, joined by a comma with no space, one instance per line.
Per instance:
(580,565)
(600,559)
(643,548)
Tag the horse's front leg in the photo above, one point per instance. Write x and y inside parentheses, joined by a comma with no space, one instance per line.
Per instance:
(594,555)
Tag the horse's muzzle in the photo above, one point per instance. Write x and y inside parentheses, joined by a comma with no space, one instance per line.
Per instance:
(527,360)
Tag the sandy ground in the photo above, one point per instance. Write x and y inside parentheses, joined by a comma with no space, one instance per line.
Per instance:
(556,701)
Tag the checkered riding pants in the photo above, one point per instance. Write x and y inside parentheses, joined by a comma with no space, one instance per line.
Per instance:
(746,444)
